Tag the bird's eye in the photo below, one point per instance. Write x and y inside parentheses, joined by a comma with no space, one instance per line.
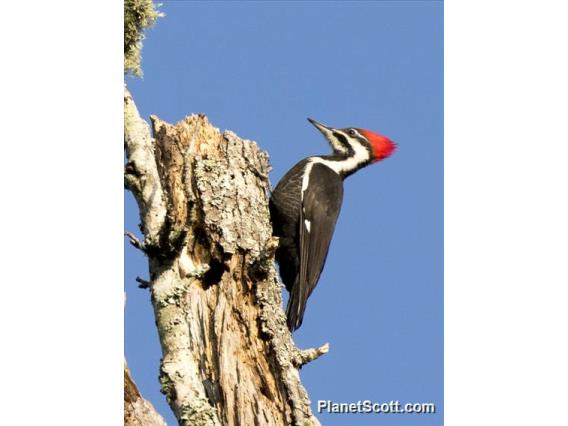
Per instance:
(351,132)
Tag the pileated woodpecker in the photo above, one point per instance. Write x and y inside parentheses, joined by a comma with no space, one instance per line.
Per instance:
(305,205)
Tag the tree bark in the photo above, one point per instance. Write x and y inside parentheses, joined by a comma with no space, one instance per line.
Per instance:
(228,357)
(138,411)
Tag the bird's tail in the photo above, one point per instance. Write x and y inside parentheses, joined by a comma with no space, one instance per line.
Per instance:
(295,309)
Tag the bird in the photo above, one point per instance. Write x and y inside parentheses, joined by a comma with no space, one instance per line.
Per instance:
(305,205)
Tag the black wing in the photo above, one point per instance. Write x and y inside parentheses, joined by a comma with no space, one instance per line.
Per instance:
(285,206)
(320,208)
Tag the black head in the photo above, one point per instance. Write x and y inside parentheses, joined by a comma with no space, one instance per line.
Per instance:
(352,142)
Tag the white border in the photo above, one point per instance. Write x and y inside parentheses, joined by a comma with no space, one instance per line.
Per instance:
(506,213)
(506,228)
(61,88)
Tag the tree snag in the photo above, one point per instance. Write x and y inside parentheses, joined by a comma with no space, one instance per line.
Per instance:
(228,357)
(138,411)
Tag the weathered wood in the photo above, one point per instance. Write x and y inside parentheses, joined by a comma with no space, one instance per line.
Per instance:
(141,174)
(138,411)
(228,357)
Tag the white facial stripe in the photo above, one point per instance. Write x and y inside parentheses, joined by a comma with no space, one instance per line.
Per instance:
(335,144)
(308,224)
(360,156)
(357,133)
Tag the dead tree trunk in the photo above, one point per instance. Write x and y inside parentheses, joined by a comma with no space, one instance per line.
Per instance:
(138,411)
(228,357)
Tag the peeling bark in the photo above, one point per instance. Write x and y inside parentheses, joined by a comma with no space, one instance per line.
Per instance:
(228,357)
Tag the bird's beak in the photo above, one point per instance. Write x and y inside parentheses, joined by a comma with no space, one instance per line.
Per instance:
(336,144)
(321,127)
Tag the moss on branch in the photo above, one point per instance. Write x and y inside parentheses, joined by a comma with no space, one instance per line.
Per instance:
(138,15)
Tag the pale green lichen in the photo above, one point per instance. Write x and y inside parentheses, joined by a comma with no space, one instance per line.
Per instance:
(138,15)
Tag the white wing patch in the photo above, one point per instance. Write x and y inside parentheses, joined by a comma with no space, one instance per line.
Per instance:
(308,224)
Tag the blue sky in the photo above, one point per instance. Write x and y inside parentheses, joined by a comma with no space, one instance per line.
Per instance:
(261,68)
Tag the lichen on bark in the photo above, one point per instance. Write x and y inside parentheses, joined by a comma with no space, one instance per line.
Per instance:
(138,16)
(228,357)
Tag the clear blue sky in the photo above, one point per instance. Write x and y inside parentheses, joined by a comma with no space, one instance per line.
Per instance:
(261,68)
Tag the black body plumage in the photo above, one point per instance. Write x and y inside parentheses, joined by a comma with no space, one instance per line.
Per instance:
(305,205)
(303,248)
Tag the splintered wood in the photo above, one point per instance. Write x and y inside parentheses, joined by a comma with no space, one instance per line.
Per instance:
(228,357)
